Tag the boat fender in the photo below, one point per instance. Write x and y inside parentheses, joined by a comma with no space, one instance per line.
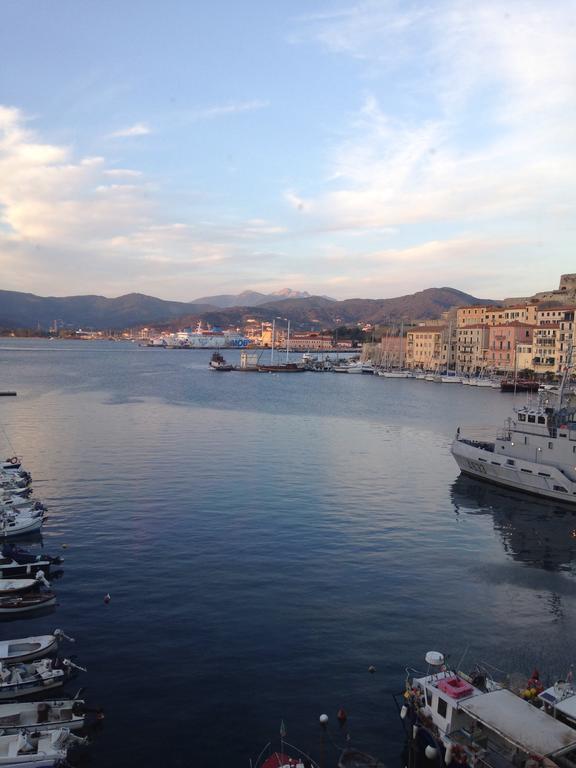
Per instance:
(431,752)
(107,598)
(371,669)
(403,711)
(448,755)
(13,460)
(341,716)
(414,731)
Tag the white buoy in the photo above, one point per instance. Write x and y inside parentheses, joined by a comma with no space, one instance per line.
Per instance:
(323,720)
(431,752)
(434,658)
(403,711)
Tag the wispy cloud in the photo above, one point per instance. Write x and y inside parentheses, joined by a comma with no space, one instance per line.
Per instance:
(138,129)
(222,110)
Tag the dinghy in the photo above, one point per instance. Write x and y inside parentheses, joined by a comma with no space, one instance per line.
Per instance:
(10,568)
(11,465)
(36,749)
(22,680)
(25,603)
(17,586)
(29,648)
(47,715)
(24,556)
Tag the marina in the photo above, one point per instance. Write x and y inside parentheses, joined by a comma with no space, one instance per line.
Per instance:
(265,503)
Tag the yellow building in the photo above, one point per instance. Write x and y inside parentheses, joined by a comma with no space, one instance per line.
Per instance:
(427,347)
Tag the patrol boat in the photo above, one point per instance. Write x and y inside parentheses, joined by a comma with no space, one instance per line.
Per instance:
(536,450)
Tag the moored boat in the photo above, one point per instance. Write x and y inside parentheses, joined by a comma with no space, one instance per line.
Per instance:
(36,749)
(20,524)
(30,648)
(46,715)
(218,363)
(25,603)
(16,586)
(451,717)
(21,680)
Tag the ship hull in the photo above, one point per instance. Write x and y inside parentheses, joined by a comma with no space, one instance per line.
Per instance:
(536,479)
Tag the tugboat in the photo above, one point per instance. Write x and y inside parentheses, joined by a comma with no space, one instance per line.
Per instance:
(453,718)
(536,450)
(217,363)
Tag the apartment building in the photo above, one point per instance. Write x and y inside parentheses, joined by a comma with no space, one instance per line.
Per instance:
(502,343)
(428,347)
(545,340)
(472,343)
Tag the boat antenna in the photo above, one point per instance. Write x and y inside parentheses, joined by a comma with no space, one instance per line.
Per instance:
(566,374)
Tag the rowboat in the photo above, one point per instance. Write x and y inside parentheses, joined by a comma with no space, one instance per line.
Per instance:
(47,715)
(25,603)
(10,568)
(21,680)
(17,586)
(37,749)
(23,556)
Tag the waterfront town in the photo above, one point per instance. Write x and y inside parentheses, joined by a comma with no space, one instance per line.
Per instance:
(528,335)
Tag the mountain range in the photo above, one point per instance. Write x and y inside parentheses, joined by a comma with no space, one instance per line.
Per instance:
(26,310)
(253,298)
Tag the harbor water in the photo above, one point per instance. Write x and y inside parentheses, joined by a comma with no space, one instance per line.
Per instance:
(265,539)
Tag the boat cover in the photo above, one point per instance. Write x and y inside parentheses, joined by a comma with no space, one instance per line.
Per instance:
(520,723)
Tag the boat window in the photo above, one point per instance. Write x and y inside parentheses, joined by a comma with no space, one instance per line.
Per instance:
(563,434)
(541,420)
(526,470)
(428,698)
(495,462)
(521,417)
(543,474)
(484,460)
(511,462)
(531,418)
(560,488)
(574,449)
(551,445)
(442,707)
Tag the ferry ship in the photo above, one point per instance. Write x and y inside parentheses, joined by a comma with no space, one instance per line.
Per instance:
(201,338)
(535,452)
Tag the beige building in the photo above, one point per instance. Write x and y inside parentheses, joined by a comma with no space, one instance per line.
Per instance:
(524,357)
(544,348)
(471,346)
(428,347)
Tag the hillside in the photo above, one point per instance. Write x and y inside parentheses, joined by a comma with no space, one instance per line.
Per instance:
(26,310)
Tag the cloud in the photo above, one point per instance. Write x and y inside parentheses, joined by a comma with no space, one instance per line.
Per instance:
(138,129)
(468,115)
(70,224)
(222,110)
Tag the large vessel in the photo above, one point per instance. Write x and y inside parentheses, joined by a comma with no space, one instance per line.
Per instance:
(535,452)
(201,338)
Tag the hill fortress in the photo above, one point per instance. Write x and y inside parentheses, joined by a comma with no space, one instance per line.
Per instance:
(565,294)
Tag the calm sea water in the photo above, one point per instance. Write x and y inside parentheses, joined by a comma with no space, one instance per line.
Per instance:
(267,538)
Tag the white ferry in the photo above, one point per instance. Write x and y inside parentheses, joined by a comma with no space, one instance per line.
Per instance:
(201,338)
(452,718)
(535,452)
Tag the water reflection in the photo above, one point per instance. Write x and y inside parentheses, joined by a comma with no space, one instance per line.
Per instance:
(536,532)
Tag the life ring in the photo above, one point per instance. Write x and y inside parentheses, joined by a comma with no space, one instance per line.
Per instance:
(13,460)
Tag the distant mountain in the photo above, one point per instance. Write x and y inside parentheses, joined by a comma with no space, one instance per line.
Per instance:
(252,298)
(26,310)
(320,312)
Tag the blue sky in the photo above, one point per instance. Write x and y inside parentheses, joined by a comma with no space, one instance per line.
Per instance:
(352,149)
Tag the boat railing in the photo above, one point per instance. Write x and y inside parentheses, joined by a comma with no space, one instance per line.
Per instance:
(475,434)
(504,434)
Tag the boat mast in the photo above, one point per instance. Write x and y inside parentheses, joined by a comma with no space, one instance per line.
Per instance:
(566,374)
(288,341)
(273,334)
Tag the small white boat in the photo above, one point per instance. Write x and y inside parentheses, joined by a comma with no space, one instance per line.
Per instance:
(36,749)
(16,586)
(396,374)
(13,464)
(21,680)
(451,378)
(10,568)
(19,525)
(28,648)
(47,715)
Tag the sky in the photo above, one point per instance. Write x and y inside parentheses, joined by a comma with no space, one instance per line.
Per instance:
(353,149)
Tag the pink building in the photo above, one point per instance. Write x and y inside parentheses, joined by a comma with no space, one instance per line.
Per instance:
(502,342)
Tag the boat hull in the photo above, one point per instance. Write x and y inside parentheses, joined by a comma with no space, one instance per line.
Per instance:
(526,476)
